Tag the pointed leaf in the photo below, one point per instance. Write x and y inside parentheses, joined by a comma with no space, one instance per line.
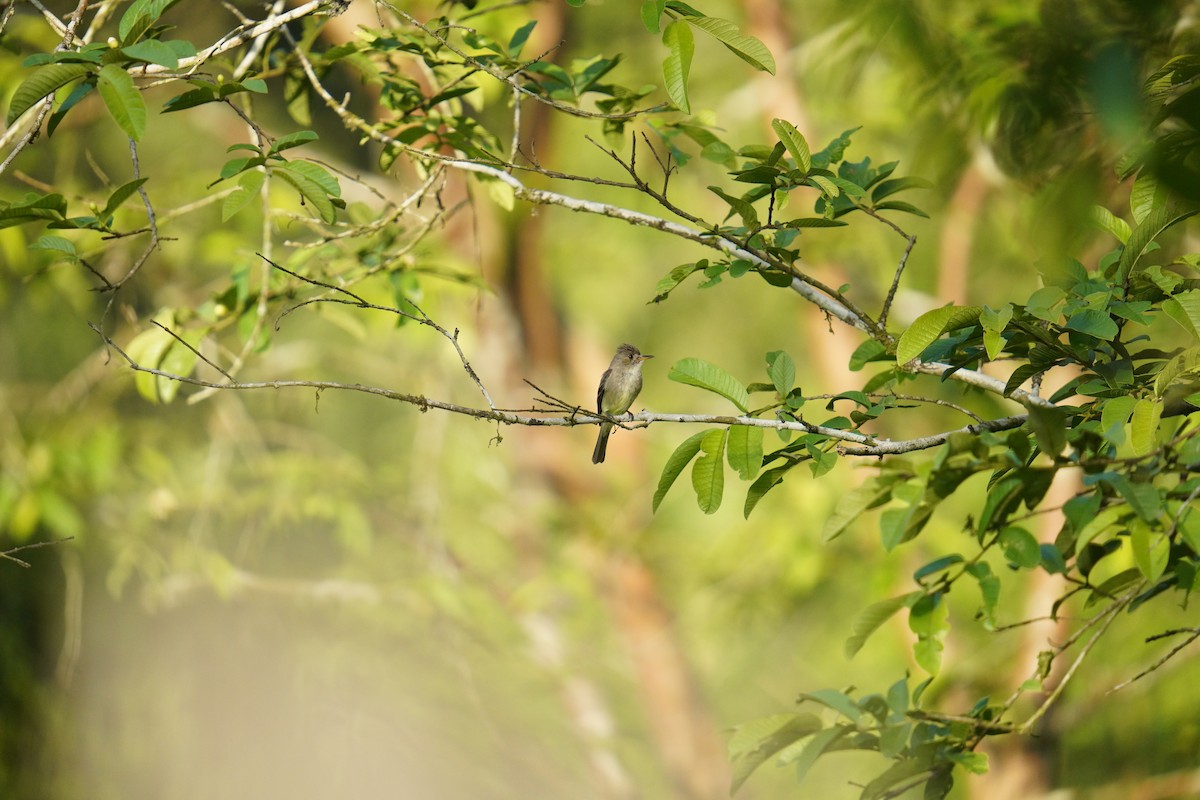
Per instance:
(248,189)
(795,143)
(708,473)
(152,51)
(872,617)
(1107,221)
(804,756)
(123,100)
(1184,308)
(293,140)
(745,450)
(782,371)
(652,11)
(678,63)
(1143,427)
(747,48)
(851,504)
(41,83)
(697,372)
(1144,235)
(310,191)
(928,327)
(120,195)
(1181,368)
(675,464)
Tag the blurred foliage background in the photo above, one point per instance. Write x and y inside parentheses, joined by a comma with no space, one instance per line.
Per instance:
(292,594)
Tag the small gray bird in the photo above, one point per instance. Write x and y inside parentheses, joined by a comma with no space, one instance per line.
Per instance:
(619,387)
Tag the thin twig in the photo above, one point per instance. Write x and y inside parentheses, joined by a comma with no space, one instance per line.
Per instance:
(8,554)
(1195,634)
(421,317)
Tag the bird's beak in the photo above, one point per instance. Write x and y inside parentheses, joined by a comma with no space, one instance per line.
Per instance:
(645,356)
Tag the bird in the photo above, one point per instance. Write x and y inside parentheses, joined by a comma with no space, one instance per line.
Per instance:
(619,387)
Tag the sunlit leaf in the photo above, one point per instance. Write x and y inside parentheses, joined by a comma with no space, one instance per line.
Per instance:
(123,100)
(41,83)
(680,46)
(708,473)
(697,372)
(684,453)
(745,450)
(747,48)
(928,327)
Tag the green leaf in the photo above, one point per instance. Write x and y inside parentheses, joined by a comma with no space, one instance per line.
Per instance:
(739,205)
(928,327)
(123,100)
(42,82)
(903,770)
(989,591)
(520,37)
(708,473)
(838,701)
(1145,196)
(900,205)
(697,372)
(652,11)
(1151,550)
(249,186)
(1182,368)
(872,618)
(1143,427)
(320,176)
(976,763)
(120,195)
(929,619)
(1144,235)
(795,143)
(76,95)
(152,51)
(1114,416)
(814,222)
(33,207)
(190,99)
(850,505)
(747,48)
(888,188)
(782,371)
(1184,308)
(994,323)
(1142,497)
(675,464)
(140,15)
(824,184)
(1116,226)
(868,351)
(148,349)
(309,190)
(56,244)
(745,450)
(1020,547)
(807,754)
(937,565)
(1094,323)
(754,742)
(293,140)
(763,484)
(678,63)
(1049,426)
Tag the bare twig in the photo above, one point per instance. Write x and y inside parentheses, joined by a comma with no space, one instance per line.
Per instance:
(891,295)
(8,554)
(420,317)
(1194,634)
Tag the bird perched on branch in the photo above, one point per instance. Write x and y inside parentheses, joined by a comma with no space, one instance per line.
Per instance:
(619,387)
